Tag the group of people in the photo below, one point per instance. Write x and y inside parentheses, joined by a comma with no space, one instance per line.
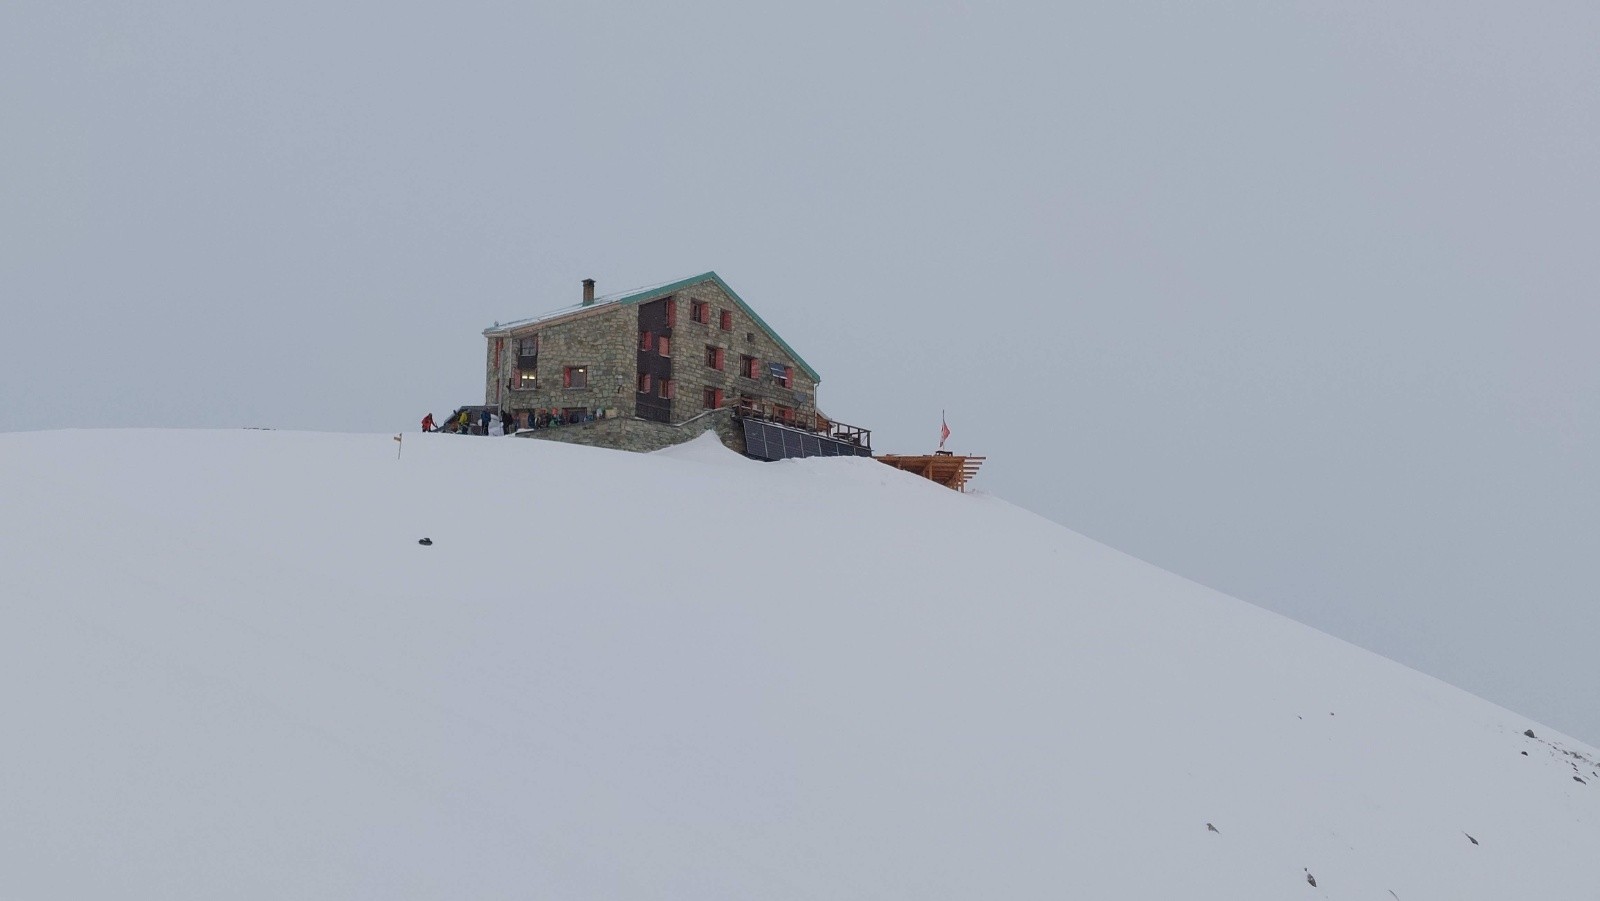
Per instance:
(488,421)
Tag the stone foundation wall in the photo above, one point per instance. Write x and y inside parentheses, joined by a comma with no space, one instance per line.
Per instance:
(641,435)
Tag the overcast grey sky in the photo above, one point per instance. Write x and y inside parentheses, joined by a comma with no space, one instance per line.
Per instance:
(1296,301)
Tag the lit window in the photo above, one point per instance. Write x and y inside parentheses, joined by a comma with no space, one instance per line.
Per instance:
(575,377)
(527,379)
(714,357)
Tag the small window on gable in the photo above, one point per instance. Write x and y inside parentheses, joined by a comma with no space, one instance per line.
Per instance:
(575,377)
(700,311)
(664,346)
(725,319)
(645,383)
(647,341)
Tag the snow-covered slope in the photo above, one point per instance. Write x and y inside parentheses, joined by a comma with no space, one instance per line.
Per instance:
(228,670)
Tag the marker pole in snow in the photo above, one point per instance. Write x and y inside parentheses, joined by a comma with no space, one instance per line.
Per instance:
(399,445)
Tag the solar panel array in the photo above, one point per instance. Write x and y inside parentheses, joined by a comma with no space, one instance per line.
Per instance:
(767,441)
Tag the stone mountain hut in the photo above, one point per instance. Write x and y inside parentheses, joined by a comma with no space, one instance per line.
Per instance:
(657,366)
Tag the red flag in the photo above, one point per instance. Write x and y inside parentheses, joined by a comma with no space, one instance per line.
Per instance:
(944,430)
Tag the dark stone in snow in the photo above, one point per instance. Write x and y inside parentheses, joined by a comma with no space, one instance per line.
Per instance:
(1530,734)
(1579,779)
(1524,753)
(1470,838)
(425,542)
(1211,828)
(1311,879)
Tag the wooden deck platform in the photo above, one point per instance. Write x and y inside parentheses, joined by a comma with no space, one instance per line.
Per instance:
(949,470)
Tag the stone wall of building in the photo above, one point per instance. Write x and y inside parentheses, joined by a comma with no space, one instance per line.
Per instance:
(602,342)
(642,436)
(693,375)
(605,341)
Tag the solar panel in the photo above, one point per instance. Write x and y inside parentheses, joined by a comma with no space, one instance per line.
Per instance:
(767,441)
(755,440)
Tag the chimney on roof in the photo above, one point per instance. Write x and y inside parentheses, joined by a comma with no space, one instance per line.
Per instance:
(588,291)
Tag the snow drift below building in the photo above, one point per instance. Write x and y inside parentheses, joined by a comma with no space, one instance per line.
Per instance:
(228,669)
(705,448)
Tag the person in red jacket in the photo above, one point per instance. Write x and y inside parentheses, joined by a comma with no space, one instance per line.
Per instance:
(427,423)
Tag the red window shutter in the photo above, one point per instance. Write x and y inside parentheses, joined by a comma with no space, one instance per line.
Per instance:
(717,396)
(788,376)
(647,341)
(566,377)
(719,360)
(672,312)
(664,346)
(727,321)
